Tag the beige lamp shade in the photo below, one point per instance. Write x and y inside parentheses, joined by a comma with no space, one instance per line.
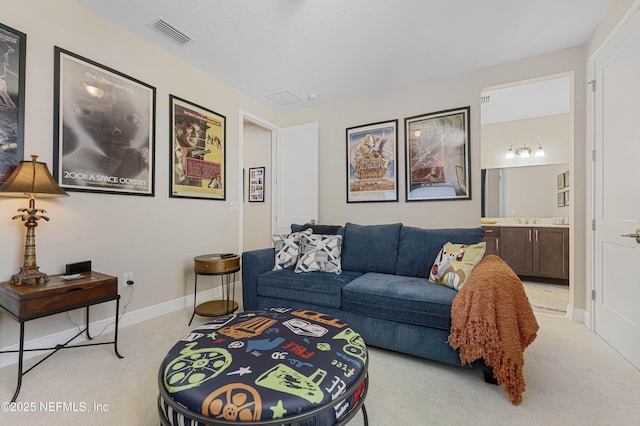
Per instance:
(31,179)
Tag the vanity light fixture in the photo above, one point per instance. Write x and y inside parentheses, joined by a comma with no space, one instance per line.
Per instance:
(523,151)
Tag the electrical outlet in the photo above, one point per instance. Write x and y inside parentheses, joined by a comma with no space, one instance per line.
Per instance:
(127,279)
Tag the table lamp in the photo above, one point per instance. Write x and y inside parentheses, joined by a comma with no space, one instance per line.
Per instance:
(31,179)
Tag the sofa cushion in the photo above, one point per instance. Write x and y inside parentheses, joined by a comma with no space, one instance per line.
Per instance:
(454,264)
(317,229)
(398,298)
(418,248)
(318,288)
(320,253)
(371,248)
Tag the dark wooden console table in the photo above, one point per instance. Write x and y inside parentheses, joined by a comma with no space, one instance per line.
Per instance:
(27,302)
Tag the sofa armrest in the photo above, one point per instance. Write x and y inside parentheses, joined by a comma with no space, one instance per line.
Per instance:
(254,263)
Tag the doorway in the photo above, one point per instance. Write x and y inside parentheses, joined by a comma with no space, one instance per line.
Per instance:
(533,117)
(257,150)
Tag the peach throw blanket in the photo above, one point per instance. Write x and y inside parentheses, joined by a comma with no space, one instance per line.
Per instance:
(491,318)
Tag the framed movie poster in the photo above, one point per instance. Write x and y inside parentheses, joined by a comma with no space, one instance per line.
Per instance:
(198,151)
(256,184)
(371,162)
(13,52)
(437,156)
(104,133)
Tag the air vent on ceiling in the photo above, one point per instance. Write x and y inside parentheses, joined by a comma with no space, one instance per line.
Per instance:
(170,31)
(284,97)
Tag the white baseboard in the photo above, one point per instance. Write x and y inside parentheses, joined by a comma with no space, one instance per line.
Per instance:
(106,325)
(579,315)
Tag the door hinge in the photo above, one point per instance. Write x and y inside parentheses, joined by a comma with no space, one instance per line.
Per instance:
(593,155)
(593,295)
(593,85)
(593,224)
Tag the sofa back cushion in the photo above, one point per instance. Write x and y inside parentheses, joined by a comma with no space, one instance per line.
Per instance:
(318,229)
(371,248)
(419,247)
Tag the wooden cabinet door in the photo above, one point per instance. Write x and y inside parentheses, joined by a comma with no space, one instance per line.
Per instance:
(492,238)
(517,249)
(551,253)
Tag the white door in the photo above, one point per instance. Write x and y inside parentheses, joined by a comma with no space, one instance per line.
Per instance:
(297,176)
(617,197)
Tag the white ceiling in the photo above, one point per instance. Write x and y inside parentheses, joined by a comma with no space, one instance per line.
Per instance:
(335,49)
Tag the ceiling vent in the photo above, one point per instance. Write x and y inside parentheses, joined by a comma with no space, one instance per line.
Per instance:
(284,97)
(170,31)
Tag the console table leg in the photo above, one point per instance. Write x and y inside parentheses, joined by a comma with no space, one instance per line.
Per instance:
(364,416)
(20,356)
(115,340)
(86,318)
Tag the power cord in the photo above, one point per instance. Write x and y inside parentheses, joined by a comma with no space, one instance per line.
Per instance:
(124,311)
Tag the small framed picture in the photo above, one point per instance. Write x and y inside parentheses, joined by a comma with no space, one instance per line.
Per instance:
(256,184)
(561,181)
(566,179)
(566,198)
(560,199)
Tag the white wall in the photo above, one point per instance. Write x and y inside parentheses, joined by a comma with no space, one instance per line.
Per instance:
(553,132)
(154,237)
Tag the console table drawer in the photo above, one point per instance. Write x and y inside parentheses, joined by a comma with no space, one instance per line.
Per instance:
(57,295)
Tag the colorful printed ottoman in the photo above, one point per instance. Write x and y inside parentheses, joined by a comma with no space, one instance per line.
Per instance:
(271,367)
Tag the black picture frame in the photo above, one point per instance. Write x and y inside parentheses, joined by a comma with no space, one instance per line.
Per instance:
(372,162)
(198,151)
(13,50)
(104,128)
(256,184)
(437,156)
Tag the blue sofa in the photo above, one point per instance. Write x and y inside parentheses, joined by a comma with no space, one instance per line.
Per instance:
(383,291)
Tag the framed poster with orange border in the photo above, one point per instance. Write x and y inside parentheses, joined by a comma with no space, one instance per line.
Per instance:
(198,151)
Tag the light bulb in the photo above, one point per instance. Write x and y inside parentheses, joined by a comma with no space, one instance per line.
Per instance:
(509,154)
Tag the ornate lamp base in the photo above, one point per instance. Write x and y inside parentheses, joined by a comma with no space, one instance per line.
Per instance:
(29,273)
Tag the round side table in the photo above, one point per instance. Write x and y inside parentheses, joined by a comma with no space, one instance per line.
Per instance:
(226,268)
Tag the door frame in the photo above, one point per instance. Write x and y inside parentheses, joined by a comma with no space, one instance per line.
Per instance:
(590,321)
(245,116)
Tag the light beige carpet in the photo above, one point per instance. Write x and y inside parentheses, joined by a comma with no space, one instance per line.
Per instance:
(547,298)
(572,376)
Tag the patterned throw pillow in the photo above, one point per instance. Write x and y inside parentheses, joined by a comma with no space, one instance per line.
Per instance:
(320,253)
(454,263)
(287,249)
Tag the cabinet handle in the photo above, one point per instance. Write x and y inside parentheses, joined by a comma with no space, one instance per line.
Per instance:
(497,245)
(529,235)
(536,234)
